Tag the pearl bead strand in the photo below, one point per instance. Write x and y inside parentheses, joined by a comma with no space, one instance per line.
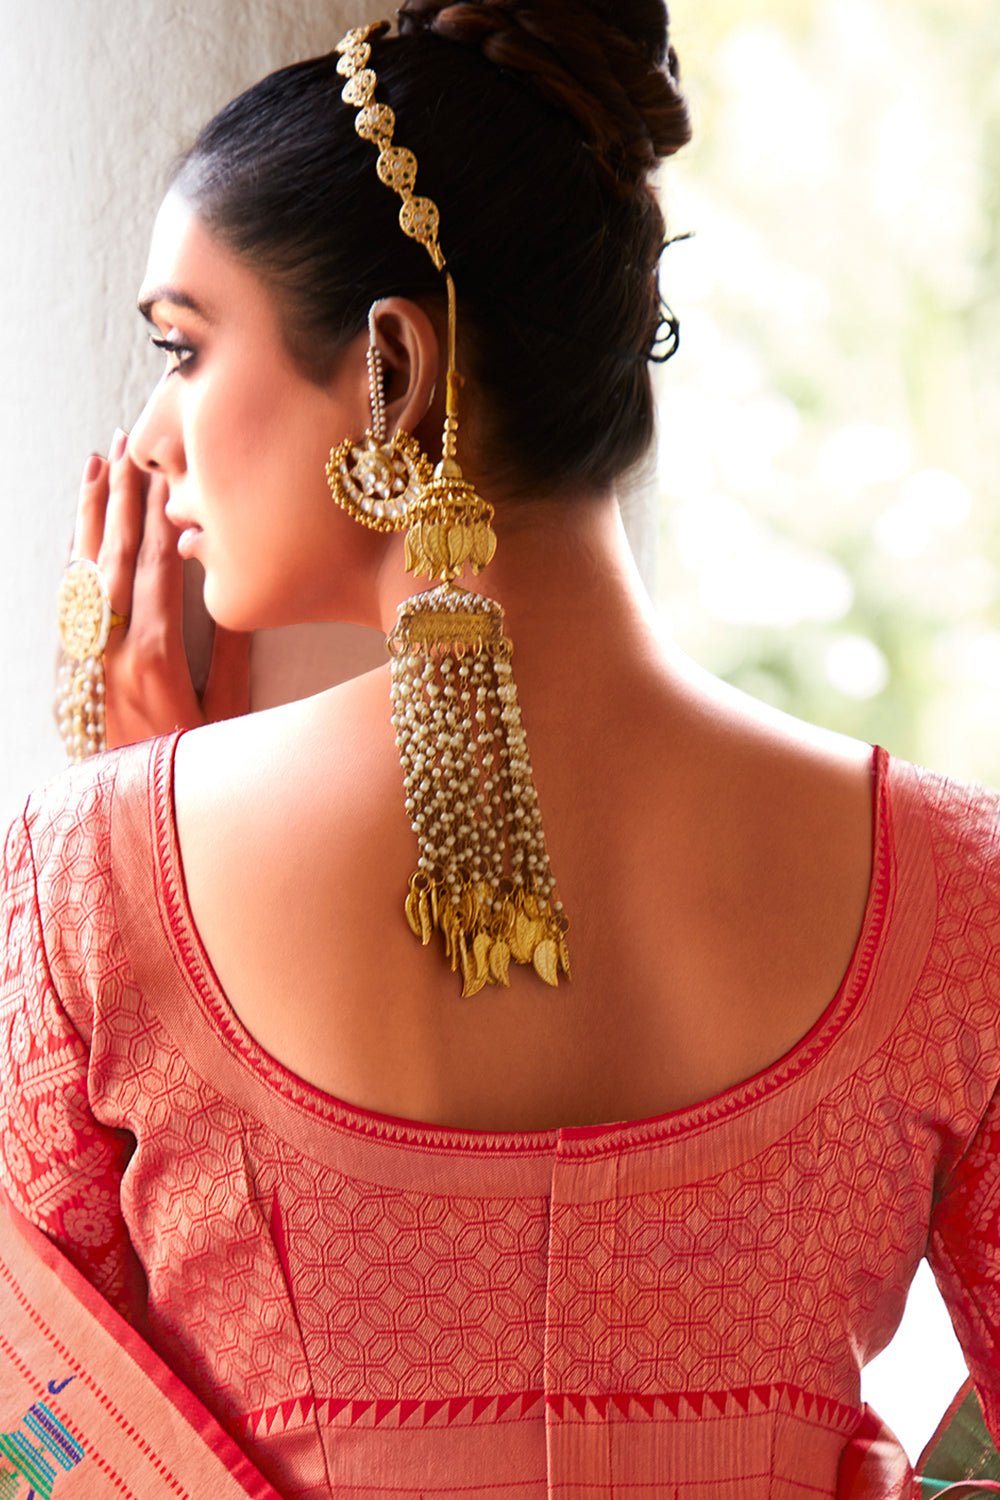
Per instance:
(483,876)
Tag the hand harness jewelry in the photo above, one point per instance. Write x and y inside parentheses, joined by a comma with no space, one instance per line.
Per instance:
(483,878)
(86,619)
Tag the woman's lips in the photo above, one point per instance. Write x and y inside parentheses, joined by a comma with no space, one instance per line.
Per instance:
(189,532)
(188,540)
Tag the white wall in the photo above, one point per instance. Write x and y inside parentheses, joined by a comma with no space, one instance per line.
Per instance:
(96,97)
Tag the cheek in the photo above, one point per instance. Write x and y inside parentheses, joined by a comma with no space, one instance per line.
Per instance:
(274,434)
(279,550)
(232,427)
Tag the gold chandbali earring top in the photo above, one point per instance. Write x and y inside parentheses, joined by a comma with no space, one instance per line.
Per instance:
(483,878)
(375,481)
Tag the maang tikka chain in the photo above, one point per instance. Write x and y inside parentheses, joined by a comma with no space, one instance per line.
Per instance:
(483,878)
(376,386)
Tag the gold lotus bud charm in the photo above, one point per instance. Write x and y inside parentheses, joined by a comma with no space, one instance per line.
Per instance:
(453,522)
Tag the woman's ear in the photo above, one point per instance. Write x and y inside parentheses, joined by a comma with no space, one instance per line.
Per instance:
(411,361)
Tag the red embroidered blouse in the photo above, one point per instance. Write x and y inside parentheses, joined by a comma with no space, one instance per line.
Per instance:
(374,1308)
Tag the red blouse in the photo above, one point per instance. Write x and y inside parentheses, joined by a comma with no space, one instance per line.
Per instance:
(677,1306)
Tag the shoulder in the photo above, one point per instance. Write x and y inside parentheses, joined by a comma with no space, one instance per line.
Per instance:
(61,881)
(942,837)
(958,820)
(67,822)
(944,930)
(62,828)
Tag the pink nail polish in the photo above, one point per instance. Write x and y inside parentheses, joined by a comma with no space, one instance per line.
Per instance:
(118,445)
(92,469)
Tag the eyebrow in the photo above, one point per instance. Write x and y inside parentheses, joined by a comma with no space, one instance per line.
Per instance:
(172,295)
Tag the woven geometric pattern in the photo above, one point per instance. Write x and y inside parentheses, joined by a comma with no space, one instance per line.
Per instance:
(374,1308)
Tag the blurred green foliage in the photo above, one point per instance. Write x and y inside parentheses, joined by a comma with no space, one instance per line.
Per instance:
(829,462)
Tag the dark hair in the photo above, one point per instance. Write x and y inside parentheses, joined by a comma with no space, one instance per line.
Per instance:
(534,128)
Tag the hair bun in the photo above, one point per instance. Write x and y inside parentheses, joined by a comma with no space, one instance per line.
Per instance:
(607,62)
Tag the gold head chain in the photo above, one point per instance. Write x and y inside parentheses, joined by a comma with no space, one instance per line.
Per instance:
(419,218)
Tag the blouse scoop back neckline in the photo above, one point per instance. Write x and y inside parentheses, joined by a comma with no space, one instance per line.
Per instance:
(277,1076)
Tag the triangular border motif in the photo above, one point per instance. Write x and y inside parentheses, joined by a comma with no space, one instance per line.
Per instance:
(555,1406)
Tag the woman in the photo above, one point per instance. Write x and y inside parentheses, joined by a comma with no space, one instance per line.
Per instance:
(389,1234)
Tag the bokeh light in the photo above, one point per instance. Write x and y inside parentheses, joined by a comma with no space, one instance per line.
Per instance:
(829,457)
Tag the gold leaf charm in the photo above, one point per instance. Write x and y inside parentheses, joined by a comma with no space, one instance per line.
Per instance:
(421,908)
(467,909)
(521,938)
(481,953)
(546,962)
(472,980)
(459,545)
(471,985)
(500,962)
(429,549)
(412,909)
(484,544)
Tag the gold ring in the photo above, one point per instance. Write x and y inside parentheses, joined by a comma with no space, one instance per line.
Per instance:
(86,618)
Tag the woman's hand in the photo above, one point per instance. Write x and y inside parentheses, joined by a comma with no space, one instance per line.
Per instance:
(121,525)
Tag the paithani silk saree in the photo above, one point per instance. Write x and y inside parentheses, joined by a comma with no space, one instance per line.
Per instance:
(88,1411)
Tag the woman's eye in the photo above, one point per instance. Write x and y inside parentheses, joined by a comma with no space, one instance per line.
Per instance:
(179,354)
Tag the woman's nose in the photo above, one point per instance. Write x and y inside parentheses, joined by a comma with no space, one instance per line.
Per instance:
(154,443)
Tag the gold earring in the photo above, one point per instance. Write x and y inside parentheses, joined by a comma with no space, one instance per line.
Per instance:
(483,878)
(377,482)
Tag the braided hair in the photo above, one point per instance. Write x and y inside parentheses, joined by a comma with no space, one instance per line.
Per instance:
(580,58)
(536,125)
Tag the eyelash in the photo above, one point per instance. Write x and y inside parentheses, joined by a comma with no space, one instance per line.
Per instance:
(170,346)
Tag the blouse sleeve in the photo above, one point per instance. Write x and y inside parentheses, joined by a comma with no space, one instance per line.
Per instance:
(58,1165)
(964,1252)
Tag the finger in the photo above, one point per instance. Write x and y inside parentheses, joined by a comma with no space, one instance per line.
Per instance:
(159,569)
(227,691)
(149,687)
(123,525)
(88,525)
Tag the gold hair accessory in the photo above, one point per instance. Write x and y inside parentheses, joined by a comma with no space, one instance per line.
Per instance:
(86,619)
(483,878)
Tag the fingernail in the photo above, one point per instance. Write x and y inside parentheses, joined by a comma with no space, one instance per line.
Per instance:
(118,445)
(92,468)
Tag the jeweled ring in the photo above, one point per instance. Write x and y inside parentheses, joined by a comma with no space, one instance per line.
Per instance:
(86,618)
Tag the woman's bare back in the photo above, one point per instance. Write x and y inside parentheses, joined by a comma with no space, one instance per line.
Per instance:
(713,859)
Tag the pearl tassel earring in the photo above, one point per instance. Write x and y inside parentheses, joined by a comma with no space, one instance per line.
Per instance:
(483,878)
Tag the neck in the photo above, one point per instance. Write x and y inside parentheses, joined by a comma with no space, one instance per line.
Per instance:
(566,579)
